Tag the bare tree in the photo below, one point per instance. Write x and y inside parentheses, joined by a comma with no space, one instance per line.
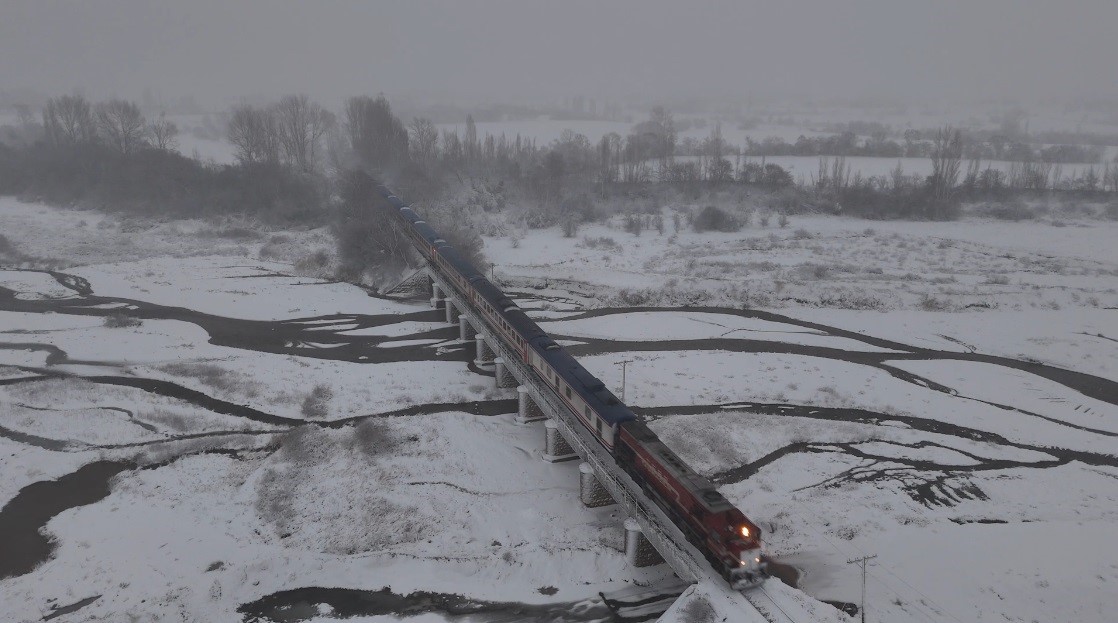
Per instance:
(301,125)
(253,132)
(609,157)
(379,139)
(947,157)
(424,140)
(469,141)
(164,133)
(122,125)
(68,120)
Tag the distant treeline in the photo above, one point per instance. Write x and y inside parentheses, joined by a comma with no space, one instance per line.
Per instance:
(556,175)
(291,155)
(917,144)
(107,155)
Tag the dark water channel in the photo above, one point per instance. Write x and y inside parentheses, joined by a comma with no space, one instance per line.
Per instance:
(22,542)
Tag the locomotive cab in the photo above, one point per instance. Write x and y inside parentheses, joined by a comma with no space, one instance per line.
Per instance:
(748,567)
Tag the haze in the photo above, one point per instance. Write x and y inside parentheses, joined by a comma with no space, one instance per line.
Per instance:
(516,51)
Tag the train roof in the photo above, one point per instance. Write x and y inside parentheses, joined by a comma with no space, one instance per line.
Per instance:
(455,259)
(588,386)
(430,235)
(392,199)
(703,489)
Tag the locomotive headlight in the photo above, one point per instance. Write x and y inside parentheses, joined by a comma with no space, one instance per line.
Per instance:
(745,531)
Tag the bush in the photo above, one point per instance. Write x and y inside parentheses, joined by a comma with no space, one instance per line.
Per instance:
(225,381)
(569,224)
(931,303)
(373,437)
(1009,211)
(119,320)
(712,218)
(634,224)
(602,242)
(317,403)
(698,611)
(316,264)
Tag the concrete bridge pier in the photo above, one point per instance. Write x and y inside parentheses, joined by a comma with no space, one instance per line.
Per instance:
(452,314)
(529,411)
(484,358)
(638,551)
(502,377)
(466,330)
(436,295)
(590,490)
(556,447)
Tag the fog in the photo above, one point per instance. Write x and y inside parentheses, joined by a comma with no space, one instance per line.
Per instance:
(518,51)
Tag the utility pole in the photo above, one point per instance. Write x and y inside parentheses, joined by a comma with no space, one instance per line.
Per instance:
(862,560)
(623,362)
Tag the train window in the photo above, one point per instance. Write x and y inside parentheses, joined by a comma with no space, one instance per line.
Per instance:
(586,411)
(568,391)
(598,425)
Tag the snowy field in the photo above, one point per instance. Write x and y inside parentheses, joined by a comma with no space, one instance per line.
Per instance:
(272,446)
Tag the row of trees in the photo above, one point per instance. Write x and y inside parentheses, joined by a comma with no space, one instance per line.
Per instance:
(119,124)
(108,155)
(290,131)
(916,144)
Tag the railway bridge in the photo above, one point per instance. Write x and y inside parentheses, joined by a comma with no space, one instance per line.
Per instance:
(651,537)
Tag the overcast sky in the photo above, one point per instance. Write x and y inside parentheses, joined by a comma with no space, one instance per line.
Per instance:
(519,50)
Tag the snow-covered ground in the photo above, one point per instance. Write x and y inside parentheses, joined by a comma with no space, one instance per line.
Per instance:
(981,477)
(940,395)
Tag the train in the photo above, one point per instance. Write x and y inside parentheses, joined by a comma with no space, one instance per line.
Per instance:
(722,532)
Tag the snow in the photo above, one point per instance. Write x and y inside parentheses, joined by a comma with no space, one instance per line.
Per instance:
(846,455)
(154,538)
(647,326)
(226,286)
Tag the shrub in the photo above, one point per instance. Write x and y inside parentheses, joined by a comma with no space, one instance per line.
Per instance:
(275,248)
(783,221)
(634,224)
(306,444)
(317,403)
(120,320)
(712,218)
(801,234)
(1008,211)
(698,611)
(226,381)
(569,224)
(316,264)
(373,437)
(931,303)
